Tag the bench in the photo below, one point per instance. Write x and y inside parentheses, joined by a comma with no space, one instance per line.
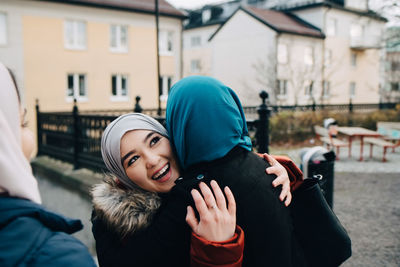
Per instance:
(382,143)
(328,140)
(389,130)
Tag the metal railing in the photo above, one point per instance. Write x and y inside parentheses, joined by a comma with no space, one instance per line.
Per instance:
(75,136)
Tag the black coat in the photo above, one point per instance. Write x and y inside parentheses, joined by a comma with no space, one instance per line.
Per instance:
(269,239)
(33,236)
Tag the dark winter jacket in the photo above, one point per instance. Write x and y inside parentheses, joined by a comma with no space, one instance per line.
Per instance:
(32,236)
(125,213)
(165,240)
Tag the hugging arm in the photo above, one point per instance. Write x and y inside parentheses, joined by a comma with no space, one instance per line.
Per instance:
(216,240)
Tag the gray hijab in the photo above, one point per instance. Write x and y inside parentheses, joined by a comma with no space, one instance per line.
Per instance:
(111,139)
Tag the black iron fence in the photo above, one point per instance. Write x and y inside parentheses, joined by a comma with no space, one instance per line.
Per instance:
(75,136)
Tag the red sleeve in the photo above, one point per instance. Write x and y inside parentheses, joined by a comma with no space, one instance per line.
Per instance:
(294,173)
(229,253)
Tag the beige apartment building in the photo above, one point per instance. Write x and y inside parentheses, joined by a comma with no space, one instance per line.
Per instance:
(103,55)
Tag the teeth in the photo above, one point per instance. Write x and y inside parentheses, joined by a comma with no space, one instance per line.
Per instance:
(161,172)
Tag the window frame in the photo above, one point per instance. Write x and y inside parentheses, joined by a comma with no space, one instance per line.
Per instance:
(166,42)
(282,84)
(76,87)
(119,48)
(326,89)
(5,16)
(119,97)
(74,45)
(198,66)
(309,89)
(166,84)
(195,41)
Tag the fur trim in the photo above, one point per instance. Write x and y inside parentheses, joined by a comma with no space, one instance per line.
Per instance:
(124,210)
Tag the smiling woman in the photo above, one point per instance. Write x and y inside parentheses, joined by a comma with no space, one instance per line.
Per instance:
(148,160)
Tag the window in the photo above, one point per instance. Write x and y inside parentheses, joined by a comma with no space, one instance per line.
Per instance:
(395,65)
(309,56)
(352,90)
(395,87)
(282,54)
(195,66)
(3,28)
(166,83)
(353,59)
(119,87)
(165,42)
(75,34)
(119,38)
(195,41)
(331,27)
(326,88)
(328,57)
(206,15)
(309,89)
(281,88)
(76,87)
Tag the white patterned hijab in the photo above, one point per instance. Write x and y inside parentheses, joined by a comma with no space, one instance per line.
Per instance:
(16,178)
(111,141)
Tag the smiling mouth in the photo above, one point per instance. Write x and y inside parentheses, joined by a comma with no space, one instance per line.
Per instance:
(161,173)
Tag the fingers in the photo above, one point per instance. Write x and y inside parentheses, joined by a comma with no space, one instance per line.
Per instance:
(219,196)
(270,159)
(199,202)
(231,201)
(288,199)
(191,219)
(280,180)
(208,195)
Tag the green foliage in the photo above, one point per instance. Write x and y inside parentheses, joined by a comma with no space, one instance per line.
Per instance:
(296,127)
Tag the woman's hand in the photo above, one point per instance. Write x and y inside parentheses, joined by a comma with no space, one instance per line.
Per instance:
(217,221)
(281,179)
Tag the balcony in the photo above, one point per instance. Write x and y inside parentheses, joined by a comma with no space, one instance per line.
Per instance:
(365,42)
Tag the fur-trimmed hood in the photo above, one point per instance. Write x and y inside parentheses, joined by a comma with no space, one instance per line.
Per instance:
(124,210)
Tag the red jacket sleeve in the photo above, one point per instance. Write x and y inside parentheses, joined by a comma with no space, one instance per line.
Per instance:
(229,253)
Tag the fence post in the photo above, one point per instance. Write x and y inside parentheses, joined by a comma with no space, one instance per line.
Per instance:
(138,108)
(38,128)
(262,133)
(75,115)
(350,112)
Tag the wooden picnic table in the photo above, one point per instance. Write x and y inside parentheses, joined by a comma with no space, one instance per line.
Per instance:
(354,132)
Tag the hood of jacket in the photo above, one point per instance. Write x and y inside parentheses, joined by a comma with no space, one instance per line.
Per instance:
(13,208)
(123,210)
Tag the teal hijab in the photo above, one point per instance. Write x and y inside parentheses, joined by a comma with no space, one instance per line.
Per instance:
(205,120)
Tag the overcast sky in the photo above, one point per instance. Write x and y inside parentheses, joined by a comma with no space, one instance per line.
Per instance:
(192,3)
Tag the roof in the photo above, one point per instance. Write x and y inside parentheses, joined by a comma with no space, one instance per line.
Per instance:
(219,14)
(368,13)
(281,22)
(142,6)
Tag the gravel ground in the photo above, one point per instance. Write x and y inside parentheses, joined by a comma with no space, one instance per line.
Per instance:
(368,205)
(367,202)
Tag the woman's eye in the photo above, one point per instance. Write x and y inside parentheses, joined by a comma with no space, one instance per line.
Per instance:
(132,160)
(154,140)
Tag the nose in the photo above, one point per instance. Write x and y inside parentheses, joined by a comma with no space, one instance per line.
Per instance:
(152,160)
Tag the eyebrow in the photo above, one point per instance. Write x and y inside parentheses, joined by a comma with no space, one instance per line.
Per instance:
(133,150)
